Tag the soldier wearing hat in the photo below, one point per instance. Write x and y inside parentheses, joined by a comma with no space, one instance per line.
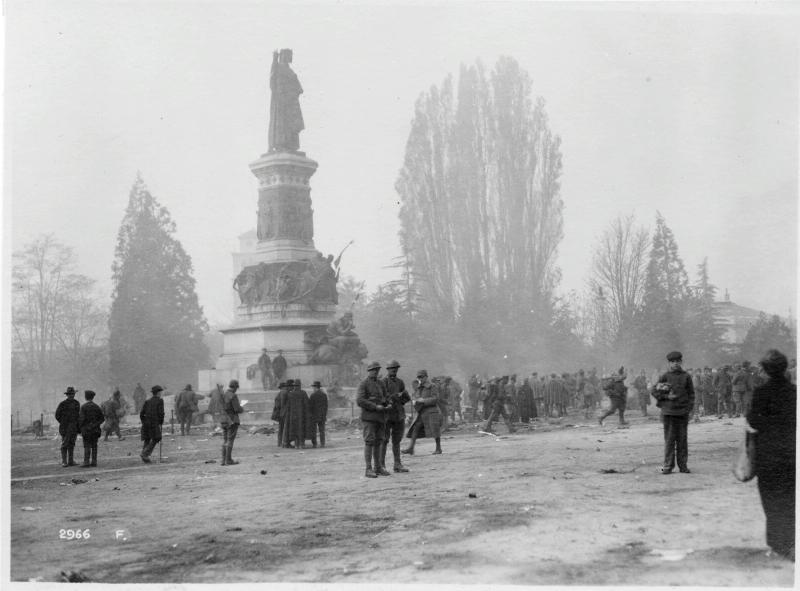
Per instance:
(396,417)
(371,398)
(186,406)
(89,421)
(230,421)
(152,418)
(501,398)
(724,391)
(674,393)
(428,422)
(617,392)
(318,409)
(67,414)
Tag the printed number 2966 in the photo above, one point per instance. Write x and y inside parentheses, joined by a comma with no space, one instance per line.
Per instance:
(74,534)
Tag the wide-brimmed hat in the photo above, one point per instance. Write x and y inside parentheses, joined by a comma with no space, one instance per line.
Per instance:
(70,390)
(373,365)
(317,384)
(289,383)
(156,389)
(392,363)
(422,372)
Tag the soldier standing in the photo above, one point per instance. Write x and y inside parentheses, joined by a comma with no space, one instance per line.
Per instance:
(265,368)
(723,389)
(397,396)
(707,389)
(474,387)
(640,383)
(675,394)
(152,418)
(138,397)
(186,405)
(371,398)
(527,409)
(89,421)
(318,409)
(231,409)
(67,414)
(428,423)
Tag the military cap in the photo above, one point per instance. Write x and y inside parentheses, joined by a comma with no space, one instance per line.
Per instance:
(289,383)
(233,384)
(422,372)
(156,389)
(317,384)
(392,363)
(188,387)
(70,390)
(373,365)
(674,356)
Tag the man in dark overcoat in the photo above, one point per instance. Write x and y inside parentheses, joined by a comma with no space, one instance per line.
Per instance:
(298,423)
(674,393)
(89,421)
(67,414)
(428,422)
(152,418)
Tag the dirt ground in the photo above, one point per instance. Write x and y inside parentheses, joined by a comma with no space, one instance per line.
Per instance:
(535,508)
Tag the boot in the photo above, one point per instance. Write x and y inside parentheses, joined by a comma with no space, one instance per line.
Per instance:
(438,449)
(87,454)
(398,465)
(224,456)
(376,452)
(322,439)
(63,458)
(369,473)
(94,455)
(70,453)
(231,461)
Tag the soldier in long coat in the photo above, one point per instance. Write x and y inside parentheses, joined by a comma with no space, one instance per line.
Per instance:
(67,414)
(89,421)
(428,422)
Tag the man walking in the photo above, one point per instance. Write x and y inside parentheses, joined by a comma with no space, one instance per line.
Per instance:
(318,409)
(186,406)
(89,421)
(428,422)
(499,407)
(617,392)
(371,398)
(230,421)
(67,415)
(113,410)
(675,395)
(397,396)
(152,418)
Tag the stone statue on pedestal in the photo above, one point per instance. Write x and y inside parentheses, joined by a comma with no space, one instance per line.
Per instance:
(285,117)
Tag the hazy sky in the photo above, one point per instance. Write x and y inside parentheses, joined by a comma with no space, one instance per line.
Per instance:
(691,110)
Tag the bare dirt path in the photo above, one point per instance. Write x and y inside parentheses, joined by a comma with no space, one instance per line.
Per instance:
(531,509)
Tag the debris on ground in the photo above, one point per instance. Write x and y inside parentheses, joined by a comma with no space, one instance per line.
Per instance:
(265,430)
(73,576)
(263,472)
(210,462)
(472,496)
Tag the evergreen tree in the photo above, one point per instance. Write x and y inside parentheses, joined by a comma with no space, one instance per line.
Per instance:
(666,296)
(156,323)
(704,332)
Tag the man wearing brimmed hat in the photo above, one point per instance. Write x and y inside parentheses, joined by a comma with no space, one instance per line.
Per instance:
(674,393)
(67,414)
(371,398)
(396,417)
(428,422)
(318,410)
(152,417)
(298,420)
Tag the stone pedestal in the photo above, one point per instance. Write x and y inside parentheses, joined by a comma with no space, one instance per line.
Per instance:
(277,314)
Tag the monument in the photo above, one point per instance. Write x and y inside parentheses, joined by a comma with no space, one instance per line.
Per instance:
(285,289)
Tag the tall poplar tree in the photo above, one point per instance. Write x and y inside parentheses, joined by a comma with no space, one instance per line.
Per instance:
(156,324)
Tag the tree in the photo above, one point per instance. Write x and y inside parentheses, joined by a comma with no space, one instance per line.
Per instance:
(768,332)
(481,212)
(156,324)
(666,296)
(703,331)
(619,268)
(58,326)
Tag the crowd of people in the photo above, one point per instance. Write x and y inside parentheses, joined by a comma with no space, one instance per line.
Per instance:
(764,394)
